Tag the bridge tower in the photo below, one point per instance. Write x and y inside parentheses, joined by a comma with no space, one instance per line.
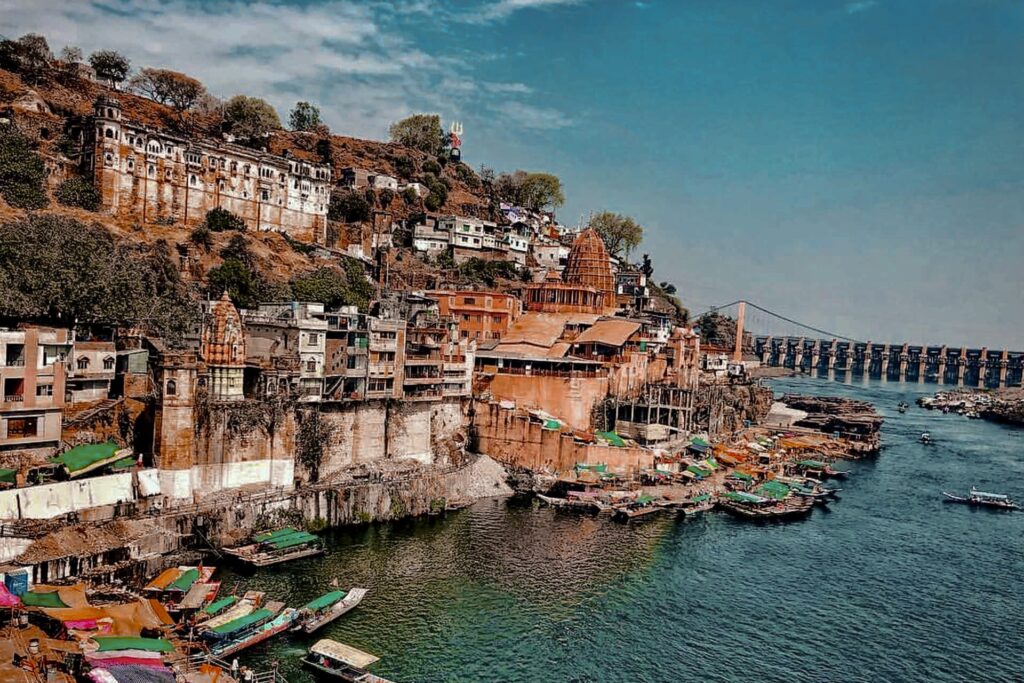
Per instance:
(741,314)
(961,365)
(903,362)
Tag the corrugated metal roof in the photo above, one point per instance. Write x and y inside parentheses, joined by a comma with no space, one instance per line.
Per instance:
(609,332)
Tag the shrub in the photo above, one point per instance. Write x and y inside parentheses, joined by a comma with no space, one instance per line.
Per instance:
(386,197)
(404,167)
(431,166)
(222,220)
(467,175)
(78,192)
(202,237)
(410,196)
(21,171)
(237,279)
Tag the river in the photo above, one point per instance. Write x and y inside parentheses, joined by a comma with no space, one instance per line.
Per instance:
(887,584)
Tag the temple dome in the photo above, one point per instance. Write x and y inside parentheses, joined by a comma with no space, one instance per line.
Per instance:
(588,265)
(223,341)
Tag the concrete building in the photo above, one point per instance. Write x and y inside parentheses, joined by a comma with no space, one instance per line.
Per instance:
(91,371)
(379,181)
(550,255)
(354,178)
(151,175)
(480,315)
(33,373)
(466,233)
(430,237)
(286,345)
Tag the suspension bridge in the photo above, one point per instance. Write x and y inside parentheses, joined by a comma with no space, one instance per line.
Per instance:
(780,341)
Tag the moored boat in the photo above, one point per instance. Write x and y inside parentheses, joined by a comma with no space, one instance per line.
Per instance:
(925,438)
(256,634)
(983,499)
(342,662)
(327,608)
(275,547)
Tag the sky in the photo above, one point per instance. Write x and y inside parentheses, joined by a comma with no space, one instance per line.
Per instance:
(855,165)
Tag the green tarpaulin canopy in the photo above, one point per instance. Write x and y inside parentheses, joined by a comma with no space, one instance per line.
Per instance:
(240,623)
(325,601)
(85,456)
(699,441)
(552,424)
(773,489)
(592,467)
(700,498)
(8,476)
(817,464)
(220,605)
(291,541)
(50,600)
(124,463)
(612,438)
(741,497)
(267,535)
(185,581)
(742,476)
(113,643)
(644,500)
(698,471)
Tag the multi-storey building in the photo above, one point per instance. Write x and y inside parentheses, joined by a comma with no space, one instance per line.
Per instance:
(480,315)
(90,371)
(32,377)
(153,175)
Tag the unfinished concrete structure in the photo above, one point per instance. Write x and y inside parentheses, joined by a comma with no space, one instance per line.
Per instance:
(151,175)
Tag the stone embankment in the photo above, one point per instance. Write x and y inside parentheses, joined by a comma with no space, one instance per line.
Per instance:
(998,405)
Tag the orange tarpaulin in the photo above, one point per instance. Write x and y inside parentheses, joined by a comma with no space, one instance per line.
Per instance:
(165,579)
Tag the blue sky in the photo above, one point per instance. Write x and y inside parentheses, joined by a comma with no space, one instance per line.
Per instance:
(853,164)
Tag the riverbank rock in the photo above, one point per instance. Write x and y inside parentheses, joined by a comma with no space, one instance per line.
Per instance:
(831,414)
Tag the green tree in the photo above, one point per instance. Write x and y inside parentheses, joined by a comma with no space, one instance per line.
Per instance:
(78,192)
(222,220)
(237,279)
(621,234)
(110,66)
(29,55)
(334,288)
(21,171)
(237,248)
(534,191)
(250,118)
(422,132)
(59,269)
(304,116)
(348,206)
(201,237)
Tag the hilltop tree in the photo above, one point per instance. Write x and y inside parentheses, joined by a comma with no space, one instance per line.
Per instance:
(422,132)
(305,117)
(534,191)
(621,234)
(168,87)
(110,66)
(29,55)
(21,171)
(250,118)
(71,54)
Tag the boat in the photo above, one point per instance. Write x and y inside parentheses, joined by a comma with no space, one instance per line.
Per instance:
(275,547)
(983,499)
(552,501)
(229,612)
(641,507)
(902,407)
(925,438)
(342,662)
(700,503)
(256,634)
(760,507)
(327,608)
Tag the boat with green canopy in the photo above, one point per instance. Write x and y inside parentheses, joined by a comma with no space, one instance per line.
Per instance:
(325,609)
(255,633)
(115,643)
(275,547)
(342,661)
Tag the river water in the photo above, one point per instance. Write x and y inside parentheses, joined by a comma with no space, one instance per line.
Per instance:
(887,584)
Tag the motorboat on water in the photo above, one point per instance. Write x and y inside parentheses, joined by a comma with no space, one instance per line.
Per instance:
(983,499)
(925,438)
(903,406)
(342,662)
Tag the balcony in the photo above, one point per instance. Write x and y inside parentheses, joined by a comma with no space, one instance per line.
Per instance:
(15,362)
(14,398)
(377,344)
(378,369)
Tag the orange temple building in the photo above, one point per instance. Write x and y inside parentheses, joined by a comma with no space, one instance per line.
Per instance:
(587,284)
(223,351)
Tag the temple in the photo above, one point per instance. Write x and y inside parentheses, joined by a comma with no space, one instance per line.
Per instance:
(587,285)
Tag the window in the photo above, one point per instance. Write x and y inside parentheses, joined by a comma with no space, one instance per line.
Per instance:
(469,300)
(22,427)
(192,180)
(108,363)
(172,388)
(82,363)
(264,195)
(44,390)
(311,365)
(314,339)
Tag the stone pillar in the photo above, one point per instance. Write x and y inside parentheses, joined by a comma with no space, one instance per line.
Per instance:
(961,365)
(983,366)
(885,362)
(815,355)
(941,379)
(903,363)
(800,354)
(1004,363)
(766,352)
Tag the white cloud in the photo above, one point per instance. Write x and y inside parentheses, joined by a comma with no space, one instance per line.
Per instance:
(350,58)
(532,117)
(502,9)
(860,6)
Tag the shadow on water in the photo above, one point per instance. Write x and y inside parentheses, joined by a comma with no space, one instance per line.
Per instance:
(888,583)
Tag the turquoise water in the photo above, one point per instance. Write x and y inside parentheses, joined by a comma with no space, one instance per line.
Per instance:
(888,584)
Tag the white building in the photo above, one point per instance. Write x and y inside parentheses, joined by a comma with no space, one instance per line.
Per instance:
(380,181)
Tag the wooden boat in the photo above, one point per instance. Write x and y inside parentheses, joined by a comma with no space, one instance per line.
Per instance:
(758,507)
(902,407)
(641,507)
(552,501)
(982,499)
(342,662)
(275,547)
(257,634)
(247,605)
(327,608)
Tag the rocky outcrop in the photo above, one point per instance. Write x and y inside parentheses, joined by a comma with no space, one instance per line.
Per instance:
(833,414)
